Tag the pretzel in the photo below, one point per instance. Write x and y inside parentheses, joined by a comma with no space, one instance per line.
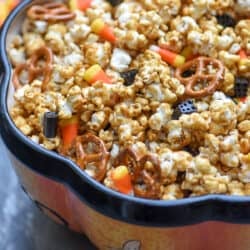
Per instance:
(198,65)
(128,158)
(34,69)
(51,12)
(99,154)
(147,181)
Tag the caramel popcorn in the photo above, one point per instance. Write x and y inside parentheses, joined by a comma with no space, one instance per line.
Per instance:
(116,83)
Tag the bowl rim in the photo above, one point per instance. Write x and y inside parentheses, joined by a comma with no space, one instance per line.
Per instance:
(211,201)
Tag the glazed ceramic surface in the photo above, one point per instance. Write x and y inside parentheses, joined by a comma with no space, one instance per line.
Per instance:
(112,220)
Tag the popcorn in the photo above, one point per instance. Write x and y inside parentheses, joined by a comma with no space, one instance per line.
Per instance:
(150,24)
(177,136)
(79,31)
(55,40)
(73,59)
(40,26)
(184,24)
(161,117)
(32,42)
(131,39)
(172,192)
(243,7)
(204,43)
(114,73)
(120,60)
(223,114)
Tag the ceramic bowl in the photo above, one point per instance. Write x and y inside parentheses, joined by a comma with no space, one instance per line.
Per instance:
(110,219)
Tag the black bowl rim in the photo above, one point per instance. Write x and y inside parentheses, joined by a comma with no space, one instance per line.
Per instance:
(129,209)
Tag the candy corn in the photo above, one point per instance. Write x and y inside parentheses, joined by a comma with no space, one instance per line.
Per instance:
(79,4)
(169,56)
(122,180)
(187,52)
(69,130)
(243,59)
(242,53)
(95,73)
(243,99)
(103,30)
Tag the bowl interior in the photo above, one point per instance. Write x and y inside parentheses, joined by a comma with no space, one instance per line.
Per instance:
(180,212)
(14,29)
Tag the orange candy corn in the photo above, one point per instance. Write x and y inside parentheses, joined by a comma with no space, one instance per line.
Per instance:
(69,131)
(104,31)
(95,73)
(122,180)
(243,59)
(169,56)
(79,4)
(242,53)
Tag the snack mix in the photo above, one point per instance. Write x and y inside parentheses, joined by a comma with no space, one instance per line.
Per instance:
(150,98)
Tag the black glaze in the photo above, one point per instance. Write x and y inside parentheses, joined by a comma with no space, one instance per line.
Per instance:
(114,2)
(226,20)
(129,76)
(187,107)
(133,210)
(241,86)
(50,120)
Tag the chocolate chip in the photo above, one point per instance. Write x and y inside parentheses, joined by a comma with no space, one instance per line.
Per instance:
(50,124)
(241,87)
(226,20)
(129,76)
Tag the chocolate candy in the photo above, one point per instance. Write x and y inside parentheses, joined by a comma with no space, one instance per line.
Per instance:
(114,2)
(129,76)
(241,87)
(50,124)
(226,20)
(192,150)
(187,107)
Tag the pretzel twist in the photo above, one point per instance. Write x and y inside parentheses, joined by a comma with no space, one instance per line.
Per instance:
(146,182)
(51,12)
(34,69)
(198,65)
(128,158)
(99,154)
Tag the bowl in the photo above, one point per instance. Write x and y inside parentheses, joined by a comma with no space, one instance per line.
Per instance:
(110,219)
